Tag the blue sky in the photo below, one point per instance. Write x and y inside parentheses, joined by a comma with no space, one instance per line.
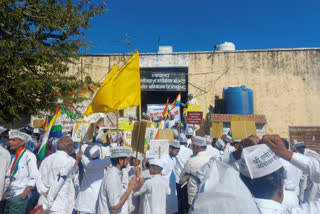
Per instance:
(199,24)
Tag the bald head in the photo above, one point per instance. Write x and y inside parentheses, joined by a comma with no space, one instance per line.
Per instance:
(65,144)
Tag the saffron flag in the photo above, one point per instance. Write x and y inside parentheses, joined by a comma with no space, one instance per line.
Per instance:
(45,125)
(120,89)
(55,127)
(165,111)
(176,102)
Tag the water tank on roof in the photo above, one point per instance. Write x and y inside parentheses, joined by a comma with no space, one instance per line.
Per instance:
(226,46)
(238,100)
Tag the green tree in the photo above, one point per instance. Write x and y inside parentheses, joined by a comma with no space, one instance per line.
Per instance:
(38,38)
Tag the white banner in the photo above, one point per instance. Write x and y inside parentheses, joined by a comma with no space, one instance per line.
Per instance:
(157,109)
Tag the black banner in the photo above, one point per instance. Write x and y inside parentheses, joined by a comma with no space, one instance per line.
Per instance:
(163,79)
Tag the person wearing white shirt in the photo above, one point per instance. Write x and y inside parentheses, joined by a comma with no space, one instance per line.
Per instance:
(291,182)
(111,199)
(169,161)
(193,164)
(154,190)
(170,122)
(212,152)
(4,170)
(23,174)
(92,177)
(189,135)
(191,100)
(55,184)
(220,145)
(181,159)
(309,189)
(272,175)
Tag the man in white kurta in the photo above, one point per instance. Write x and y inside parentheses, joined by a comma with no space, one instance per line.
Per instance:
(181,159)
(55,184)
(92,177)
(154,191)
(4,170)
(169,161)
(200,158)
(24,178)
(191,100)
(111,199)
(211,151)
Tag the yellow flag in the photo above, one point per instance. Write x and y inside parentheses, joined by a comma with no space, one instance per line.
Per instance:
(120,89)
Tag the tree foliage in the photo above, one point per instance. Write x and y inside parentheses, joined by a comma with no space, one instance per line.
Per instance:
(38,38)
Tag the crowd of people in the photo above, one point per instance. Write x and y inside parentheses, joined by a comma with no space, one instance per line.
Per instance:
(198,174)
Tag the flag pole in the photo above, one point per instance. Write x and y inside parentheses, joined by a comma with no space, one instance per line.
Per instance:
(117,128)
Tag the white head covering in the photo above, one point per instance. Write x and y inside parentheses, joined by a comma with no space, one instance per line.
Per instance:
(182,138)
(220,144)
(190,95)
(258,160)
(94,152)
(223,190)
(189,131)
(199,141)
(208,138)
(157,162)
(150,157)
(20,135)
(297,144)
(120,151)
(175,144)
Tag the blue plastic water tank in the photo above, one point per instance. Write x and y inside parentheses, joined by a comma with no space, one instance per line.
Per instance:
(238,100)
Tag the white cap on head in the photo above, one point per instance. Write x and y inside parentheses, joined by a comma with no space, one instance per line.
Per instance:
(258,161)
(120,151)
(208,138)
(176,121)
(175,144)
(297,144)
(199,141)
(94,152)
(20,135)
(182,138)
(189,131)
(190,95)
(156,162)
(150,157)
(220,144)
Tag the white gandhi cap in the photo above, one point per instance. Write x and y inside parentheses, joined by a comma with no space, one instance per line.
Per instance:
(258,161)
(120,151)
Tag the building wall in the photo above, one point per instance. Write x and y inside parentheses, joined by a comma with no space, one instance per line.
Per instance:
(309,135)
(286,82)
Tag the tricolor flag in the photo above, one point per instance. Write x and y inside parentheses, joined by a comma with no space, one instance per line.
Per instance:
(176,102)
(165,111)
(53,130)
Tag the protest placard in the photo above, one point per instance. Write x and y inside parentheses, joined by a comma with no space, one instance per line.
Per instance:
(194,117)
(159,147)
